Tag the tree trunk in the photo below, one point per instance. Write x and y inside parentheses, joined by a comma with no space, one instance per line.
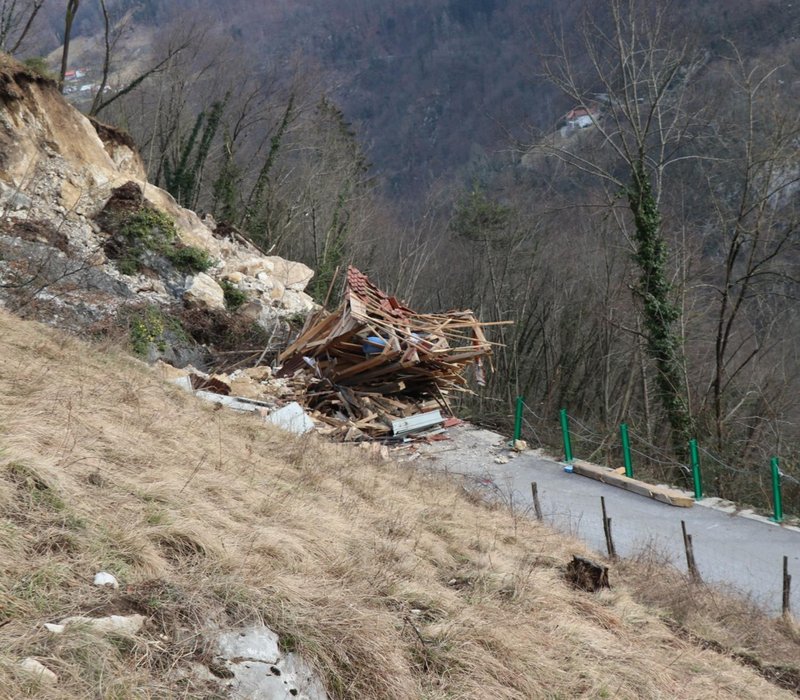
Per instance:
(660,313)
(69,17)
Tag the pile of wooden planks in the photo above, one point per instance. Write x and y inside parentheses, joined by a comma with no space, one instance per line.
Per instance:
(374,360)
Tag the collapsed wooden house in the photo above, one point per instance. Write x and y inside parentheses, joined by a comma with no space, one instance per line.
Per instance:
(374,361)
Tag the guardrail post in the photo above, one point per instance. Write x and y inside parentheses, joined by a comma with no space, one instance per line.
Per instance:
(518,419)
(565,435)
(626,450)
(696,475)
(776,491)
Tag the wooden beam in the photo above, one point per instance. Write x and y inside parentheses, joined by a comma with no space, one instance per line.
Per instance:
(608,476)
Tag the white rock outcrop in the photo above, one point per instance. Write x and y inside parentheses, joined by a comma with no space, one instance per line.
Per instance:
(59,167)
(261,670)
(203,291)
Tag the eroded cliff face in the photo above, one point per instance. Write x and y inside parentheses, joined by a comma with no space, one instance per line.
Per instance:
(58,170)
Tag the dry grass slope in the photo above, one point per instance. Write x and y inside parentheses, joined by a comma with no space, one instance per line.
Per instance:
(393,583)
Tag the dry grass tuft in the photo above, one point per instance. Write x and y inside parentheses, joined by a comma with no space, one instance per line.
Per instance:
(392,582)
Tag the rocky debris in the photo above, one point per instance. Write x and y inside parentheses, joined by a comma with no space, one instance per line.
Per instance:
(112,624)
(38,671)
(77,234)
(12,200)
(39,281)
(105,580)
(260,670)
(39,232)
(294,276)
(203,291)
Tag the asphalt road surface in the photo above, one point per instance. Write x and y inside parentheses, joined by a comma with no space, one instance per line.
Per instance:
(744,552)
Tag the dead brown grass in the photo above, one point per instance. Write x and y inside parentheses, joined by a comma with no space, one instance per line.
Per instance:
(390,581)
(714,618)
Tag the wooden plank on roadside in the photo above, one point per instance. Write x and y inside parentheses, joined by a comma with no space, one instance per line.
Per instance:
(608,476)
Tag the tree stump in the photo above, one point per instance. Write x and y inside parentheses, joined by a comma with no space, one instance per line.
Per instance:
(586,574)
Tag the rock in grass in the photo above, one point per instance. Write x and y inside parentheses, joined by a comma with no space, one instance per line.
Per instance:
(105,580)
(113,624)
(38,670)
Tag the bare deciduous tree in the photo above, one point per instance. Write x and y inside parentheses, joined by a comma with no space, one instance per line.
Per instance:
(752,184)
(16,21)
(69,19)
(633,87)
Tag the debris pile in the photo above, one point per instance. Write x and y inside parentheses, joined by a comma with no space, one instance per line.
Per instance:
(376,369)
(372,369)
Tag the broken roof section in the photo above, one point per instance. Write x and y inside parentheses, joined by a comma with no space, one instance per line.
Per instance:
(374,359)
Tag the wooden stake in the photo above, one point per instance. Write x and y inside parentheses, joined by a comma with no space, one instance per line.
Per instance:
(787,587)
(694,573)
(537,508)
(330,287)
(612,552)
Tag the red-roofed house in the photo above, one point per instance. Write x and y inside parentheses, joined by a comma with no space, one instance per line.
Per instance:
(582,117)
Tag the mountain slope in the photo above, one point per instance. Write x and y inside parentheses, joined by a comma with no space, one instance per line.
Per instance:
(391,582)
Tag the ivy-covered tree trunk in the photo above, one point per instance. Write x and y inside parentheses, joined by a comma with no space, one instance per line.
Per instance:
(660,312)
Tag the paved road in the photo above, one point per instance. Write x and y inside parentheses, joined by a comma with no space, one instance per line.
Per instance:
(743,552)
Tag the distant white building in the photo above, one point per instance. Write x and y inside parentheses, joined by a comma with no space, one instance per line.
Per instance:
(582,117)
(73,75)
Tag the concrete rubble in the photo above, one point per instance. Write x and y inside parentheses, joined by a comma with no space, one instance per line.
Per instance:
(291,418)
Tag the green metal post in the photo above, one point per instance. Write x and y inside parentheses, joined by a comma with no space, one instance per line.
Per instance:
(696,476)
(776,491)
(565,434)
(626,450)
(518,419)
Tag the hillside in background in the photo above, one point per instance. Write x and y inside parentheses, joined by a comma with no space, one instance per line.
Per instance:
(436,87)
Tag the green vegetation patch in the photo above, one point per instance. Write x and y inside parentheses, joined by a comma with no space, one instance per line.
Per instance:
(234,297)
(189,259)
(151,327)
(139,233)
(38,491)
(38,65)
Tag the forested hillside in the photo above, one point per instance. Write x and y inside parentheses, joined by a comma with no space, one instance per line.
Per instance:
(619,180)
